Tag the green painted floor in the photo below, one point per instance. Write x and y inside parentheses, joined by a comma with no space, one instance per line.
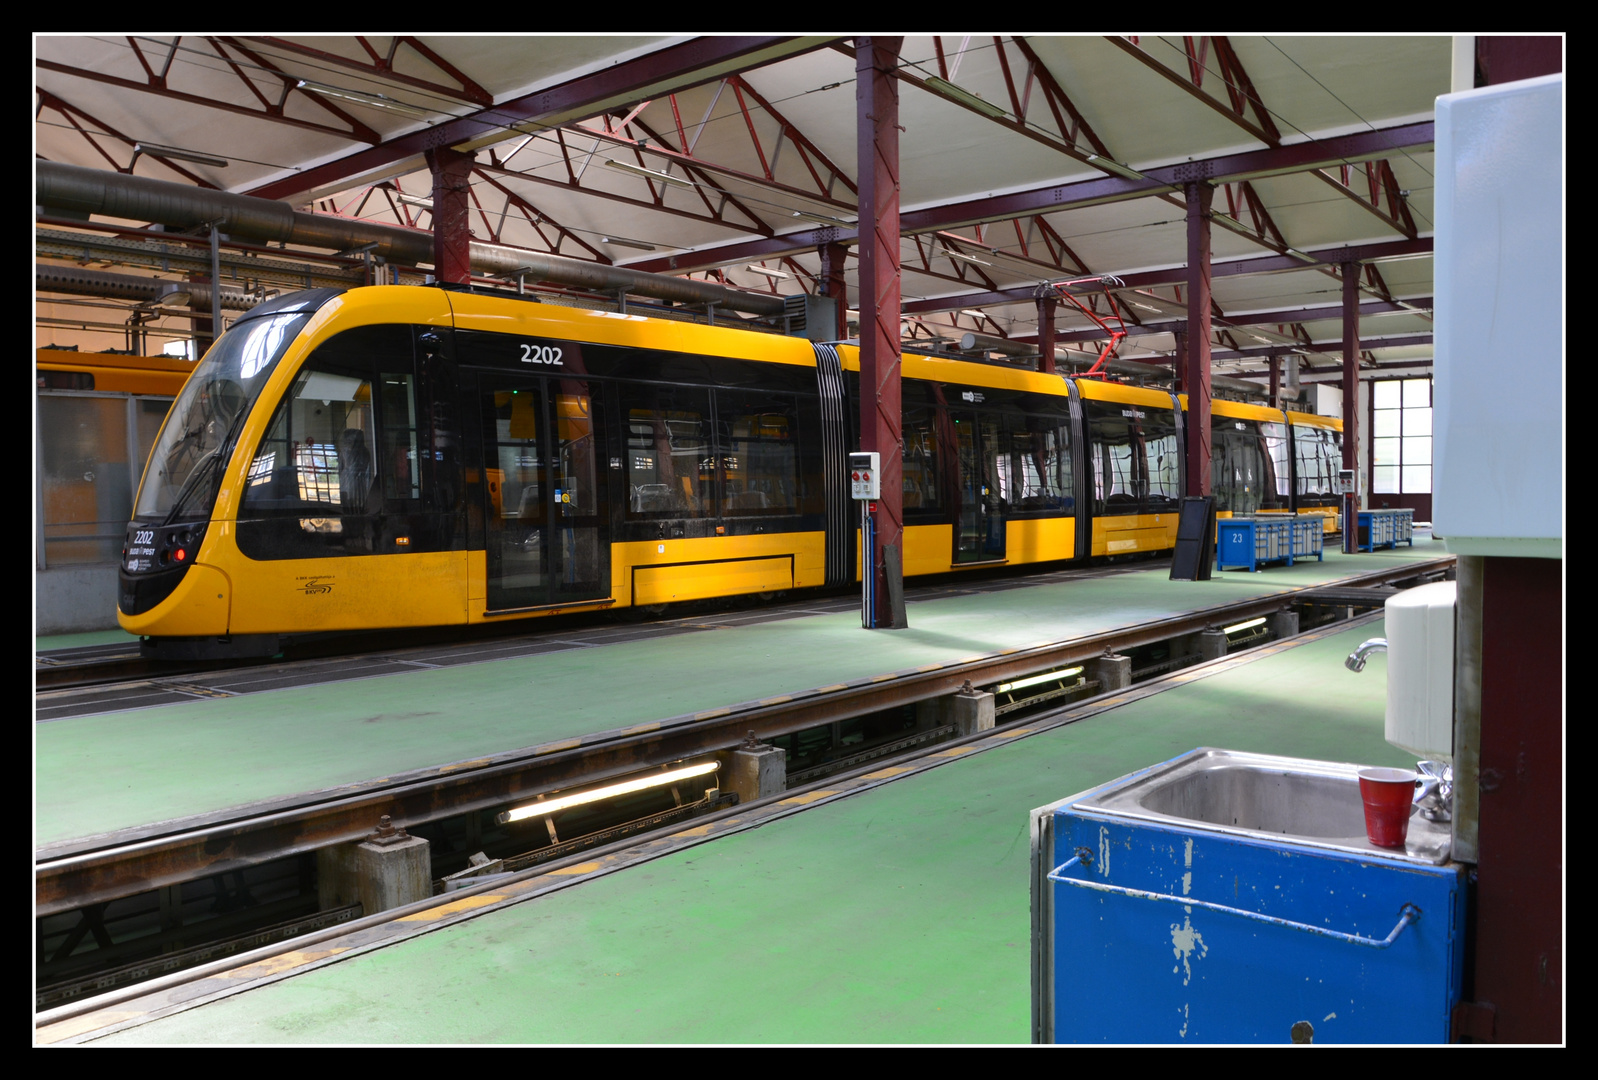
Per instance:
(78,641)
(897,915)
(112,771)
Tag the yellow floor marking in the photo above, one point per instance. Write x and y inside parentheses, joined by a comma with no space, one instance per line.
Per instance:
(1011,734)
(723,711)
(77,1025)
(883,678)
(580,868)
(883,774)
(953,751)
(474,763)
(286,962)
(444,911)
(564,744)
(810,797)
(929,667)
(639,729)
(831,689)
(776,700)
(697,830)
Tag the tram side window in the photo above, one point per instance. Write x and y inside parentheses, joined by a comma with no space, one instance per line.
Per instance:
(399,472)
(316,458)
(921,449)
(1276,487)
(1236,466)
(1114,481)
(1037,450)
(1320,456)
(1164,464)
(314,487)
(671,466)
(1119,468)
(575,451)
(758,452)
(1136,459)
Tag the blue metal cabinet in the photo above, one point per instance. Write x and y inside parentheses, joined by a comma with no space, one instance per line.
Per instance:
(1247,542)
(1164,931)
(1309,537)
(1386,528)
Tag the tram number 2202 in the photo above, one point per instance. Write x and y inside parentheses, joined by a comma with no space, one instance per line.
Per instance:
(541,354)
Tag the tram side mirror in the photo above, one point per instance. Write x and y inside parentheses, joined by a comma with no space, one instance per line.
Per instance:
(432,344)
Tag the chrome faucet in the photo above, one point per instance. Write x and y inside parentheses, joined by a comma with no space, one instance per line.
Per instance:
(1435,793)
(1356,659)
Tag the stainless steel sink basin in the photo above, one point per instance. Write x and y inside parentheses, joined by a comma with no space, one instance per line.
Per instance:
(1309,802)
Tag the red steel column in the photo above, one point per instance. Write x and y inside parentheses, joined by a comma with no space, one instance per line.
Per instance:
(1046,308)
(1520,892)
(452,239)
(1351,272)
(1520,895)
(877,139)
(1196,369)
(834,285)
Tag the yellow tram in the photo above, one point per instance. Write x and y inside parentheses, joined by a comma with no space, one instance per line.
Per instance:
(420,456)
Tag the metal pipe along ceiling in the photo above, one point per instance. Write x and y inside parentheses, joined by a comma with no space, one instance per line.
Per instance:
(81,282)
(79,190)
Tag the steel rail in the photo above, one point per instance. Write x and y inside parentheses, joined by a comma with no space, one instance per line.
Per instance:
(92,870)
(51,673)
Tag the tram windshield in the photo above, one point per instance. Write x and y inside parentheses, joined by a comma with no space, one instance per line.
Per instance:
(191,453)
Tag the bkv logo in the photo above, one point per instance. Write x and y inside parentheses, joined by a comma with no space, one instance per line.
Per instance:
(314,586)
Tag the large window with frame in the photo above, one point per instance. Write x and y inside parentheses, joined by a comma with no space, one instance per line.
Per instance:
(1401,437)
(91,449)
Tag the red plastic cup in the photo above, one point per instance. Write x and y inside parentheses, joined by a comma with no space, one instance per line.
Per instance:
(1389,797)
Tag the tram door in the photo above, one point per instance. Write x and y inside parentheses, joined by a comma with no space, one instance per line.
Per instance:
(547,542)
(980,529)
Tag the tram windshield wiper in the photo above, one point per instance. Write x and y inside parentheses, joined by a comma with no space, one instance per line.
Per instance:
(206,466)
